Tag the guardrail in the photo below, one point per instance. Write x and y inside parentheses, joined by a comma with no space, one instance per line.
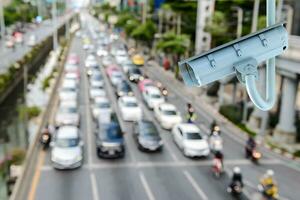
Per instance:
(23,183)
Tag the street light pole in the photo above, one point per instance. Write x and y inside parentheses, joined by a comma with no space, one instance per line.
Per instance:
(198,28)
(2,22)
(54,24)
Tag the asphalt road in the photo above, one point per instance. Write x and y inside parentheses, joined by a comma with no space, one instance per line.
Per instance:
(154,176)
(9,55)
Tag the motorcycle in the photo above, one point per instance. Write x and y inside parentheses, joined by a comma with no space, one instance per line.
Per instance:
(235,188)
(217,167)
(255,156)
(267,192)
(216,144)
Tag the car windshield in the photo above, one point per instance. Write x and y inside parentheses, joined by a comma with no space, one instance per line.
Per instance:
(67,142)
(136,71)
(155,96)
(169,112)
(193,136)
(68,110)
(96,77)
(117,75)
(125,87)
(148,129)
(111,131)
(70,66)
(103,105)
(68,89)
(130,104)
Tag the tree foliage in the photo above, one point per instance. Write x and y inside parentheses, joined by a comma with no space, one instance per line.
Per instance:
(173,43)
(17,10)
(144,32)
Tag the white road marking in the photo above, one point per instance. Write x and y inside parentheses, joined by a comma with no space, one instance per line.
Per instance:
(146,186)
(195,185)
(94,187)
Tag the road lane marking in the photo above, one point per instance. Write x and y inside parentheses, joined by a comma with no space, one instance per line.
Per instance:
(94,186)
(36,176)
(146,186)
(195,185)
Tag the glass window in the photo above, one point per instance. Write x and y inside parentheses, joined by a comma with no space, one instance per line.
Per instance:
(67,142)
(193,136)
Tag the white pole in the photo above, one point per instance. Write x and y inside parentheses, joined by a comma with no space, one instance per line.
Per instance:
(255,16)
(54,24)
(2,22)
(240,22)
(279,10)
(198,29)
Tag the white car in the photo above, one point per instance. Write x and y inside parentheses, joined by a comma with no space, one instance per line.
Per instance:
(102,52)
(68,90)
(67,114)
(130,110)
(153,97)
(121,58)
(96,80)
(73,76)
(67,148)
(97,92)
(167,115)
(107,60)
(190,140)
(116,77)
(101,107)
(90,61)
(32,40)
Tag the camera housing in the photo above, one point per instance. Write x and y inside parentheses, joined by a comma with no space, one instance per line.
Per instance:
(240,56)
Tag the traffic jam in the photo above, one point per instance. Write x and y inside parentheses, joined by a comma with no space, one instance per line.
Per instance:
(123,101)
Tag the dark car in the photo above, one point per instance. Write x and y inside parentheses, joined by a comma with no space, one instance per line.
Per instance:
(109,139)
(135,74)
(124,89)
(147,136)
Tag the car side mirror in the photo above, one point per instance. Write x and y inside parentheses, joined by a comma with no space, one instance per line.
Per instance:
(81,143)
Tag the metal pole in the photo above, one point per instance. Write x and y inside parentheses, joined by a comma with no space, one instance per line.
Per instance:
(289,17)
(160,21)
(279,10)
(39,7)
(25,75)
(144,17)
(255,16)
(178,24)
(198,29)
(54,24)
(239,22)
(2,22)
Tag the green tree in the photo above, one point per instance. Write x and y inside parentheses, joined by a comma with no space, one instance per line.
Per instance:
(218,28)
(175,45)
(144,33)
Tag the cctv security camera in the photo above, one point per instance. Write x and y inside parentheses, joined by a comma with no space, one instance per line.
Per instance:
(240,56)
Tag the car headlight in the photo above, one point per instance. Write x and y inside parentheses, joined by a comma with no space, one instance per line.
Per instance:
(78,158)
(141,78)
(121,93)
(131,78)
(130,93)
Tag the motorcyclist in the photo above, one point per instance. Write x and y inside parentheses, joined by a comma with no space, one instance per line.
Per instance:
(250,146)
(215,142)
(236,177)
(191,115)
(46,133)
(214,127)
(269,185)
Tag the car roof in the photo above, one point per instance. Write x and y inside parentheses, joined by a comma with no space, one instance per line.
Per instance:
(129,98)
(68,103)
(67,132)
(69,83)
(167,106)
(186,127)
(101,100)
(153,90)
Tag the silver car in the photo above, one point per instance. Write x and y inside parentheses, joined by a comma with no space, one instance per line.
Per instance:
(67,148)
